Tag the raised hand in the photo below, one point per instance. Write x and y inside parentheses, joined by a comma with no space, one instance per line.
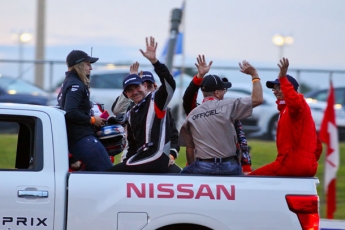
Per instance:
(150,52)
(247,68)
(283,66)
(133,69)
(202,66)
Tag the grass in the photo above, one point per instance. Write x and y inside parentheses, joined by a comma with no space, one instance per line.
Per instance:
(8,144)
(262,152)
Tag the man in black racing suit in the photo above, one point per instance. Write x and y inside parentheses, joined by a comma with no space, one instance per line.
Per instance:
(148,125)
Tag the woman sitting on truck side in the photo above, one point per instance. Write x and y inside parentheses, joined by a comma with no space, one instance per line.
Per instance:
(74,98)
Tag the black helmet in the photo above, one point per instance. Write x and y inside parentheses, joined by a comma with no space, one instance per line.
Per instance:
(113,138)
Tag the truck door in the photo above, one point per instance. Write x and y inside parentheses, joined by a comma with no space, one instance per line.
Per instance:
(27,181)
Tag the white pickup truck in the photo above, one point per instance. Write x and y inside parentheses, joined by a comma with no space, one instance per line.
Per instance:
(38,192)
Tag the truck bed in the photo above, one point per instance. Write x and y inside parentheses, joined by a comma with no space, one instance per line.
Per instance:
(147,201)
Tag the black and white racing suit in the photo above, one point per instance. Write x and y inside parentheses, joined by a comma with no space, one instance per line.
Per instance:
(149,134)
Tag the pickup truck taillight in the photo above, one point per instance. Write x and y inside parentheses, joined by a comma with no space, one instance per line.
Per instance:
(306,208)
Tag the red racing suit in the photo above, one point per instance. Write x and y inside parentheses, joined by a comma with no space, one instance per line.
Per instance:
(298,147)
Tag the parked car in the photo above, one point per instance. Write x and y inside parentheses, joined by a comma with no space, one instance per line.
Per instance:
(264,119)
(320,96)
(16,90)
(106,85)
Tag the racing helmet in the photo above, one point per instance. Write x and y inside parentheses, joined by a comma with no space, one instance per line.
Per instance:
(113,138)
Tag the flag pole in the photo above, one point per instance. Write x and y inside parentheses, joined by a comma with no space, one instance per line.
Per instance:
(174,31)
(329,135)
(180,108)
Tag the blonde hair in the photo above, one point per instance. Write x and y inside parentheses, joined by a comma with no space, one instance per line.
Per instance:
(79,68)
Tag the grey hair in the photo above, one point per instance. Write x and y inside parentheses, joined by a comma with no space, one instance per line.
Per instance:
(208,94)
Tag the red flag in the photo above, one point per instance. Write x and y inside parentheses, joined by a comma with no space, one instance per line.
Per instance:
(329,135)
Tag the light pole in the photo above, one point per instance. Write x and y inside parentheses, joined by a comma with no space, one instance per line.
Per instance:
(22,39)
(282,41)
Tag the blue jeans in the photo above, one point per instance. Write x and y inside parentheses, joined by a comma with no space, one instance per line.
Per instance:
(92,153)
(211,168)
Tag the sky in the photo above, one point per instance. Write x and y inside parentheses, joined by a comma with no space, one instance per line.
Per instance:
(226,31)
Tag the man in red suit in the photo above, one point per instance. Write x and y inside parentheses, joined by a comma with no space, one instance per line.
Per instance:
(298,147)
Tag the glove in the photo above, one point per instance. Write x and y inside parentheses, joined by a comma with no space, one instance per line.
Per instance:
(112,120)
(118,119)
(174,153)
